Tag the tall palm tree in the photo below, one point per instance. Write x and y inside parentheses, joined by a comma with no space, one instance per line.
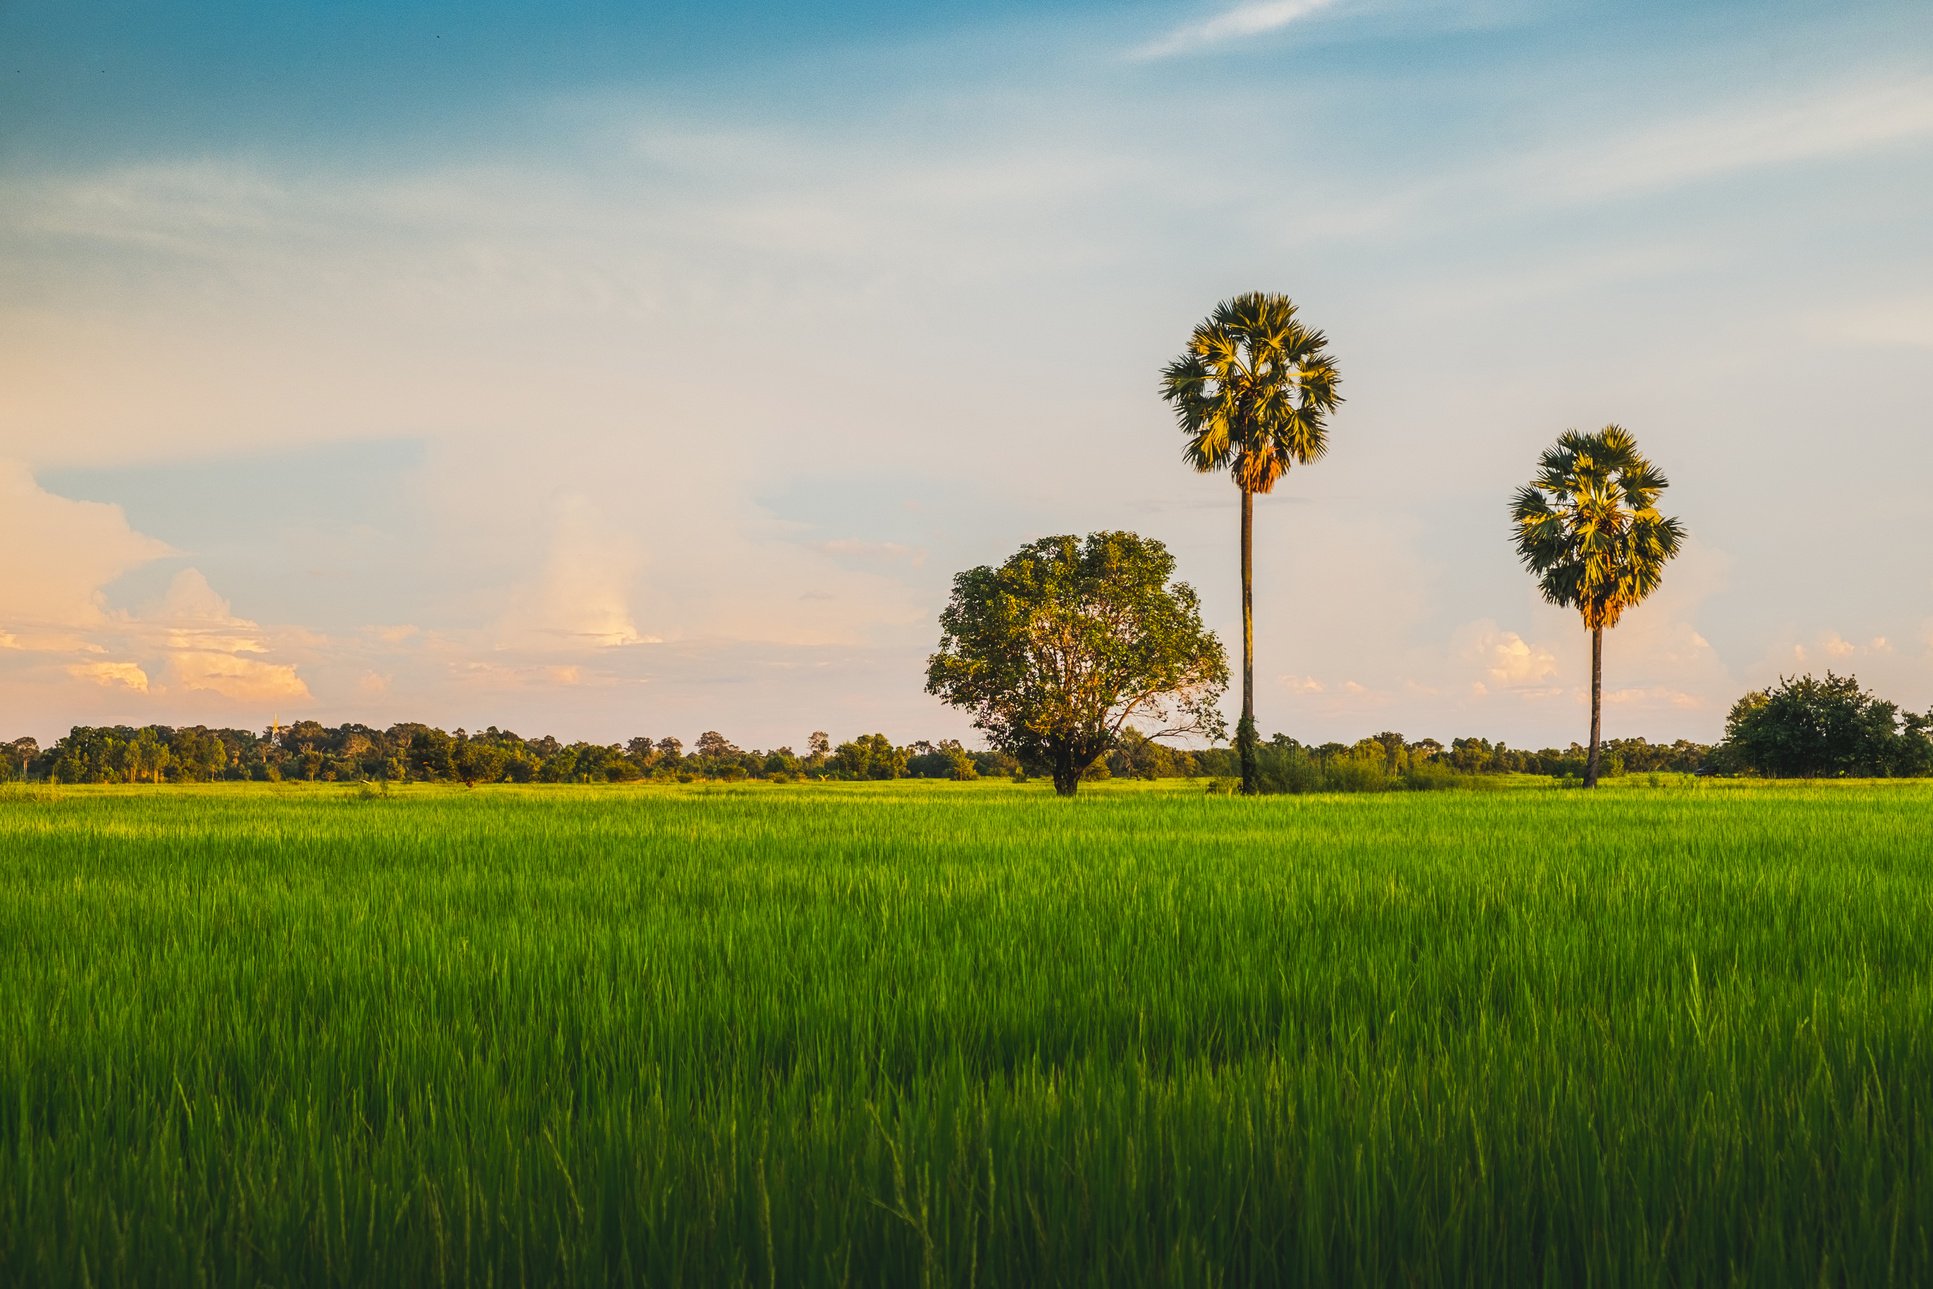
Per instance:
(1589,530)
(1250,394)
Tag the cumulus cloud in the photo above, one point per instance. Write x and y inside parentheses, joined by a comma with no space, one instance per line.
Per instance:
(1505,657)
(59,617)
(52,600)
(207,647)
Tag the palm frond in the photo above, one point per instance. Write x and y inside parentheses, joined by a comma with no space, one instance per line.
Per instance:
(1587,525)
(1253,391)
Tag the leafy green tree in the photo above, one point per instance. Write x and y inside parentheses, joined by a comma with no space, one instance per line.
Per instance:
(1588,528)
(946,759)
(1251,394)
(1807,728)
(870,756)
(714,746)
(18,756)
(477,760)
(1058,648)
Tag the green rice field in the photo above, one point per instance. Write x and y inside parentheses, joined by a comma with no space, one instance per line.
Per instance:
(966,1034)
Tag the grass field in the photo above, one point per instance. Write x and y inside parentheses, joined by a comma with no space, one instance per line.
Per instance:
(966,1034)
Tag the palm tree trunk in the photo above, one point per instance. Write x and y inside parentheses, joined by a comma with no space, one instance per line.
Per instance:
(1245,731)
(1597,703)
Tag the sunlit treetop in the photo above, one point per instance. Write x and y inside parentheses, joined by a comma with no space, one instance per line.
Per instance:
(1588,526)
(1252,391)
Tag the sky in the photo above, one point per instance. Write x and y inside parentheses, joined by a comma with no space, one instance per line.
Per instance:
(605,369)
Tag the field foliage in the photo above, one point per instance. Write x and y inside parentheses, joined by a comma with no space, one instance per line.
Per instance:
(966,1034)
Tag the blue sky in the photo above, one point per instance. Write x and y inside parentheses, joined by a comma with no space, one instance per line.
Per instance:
(611,370)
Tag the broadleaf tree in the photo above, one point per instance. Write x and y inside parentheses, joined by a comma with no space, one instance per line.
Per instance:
(1252,395)
(1057,649)
(1589,530)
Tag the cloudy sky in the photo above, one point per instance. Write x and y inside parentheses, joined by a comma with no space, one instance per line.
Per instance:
(607,369)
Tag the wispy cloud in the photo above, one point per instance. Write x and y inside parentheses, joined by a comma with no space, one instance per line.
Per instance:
(1255,18)
(1734,140)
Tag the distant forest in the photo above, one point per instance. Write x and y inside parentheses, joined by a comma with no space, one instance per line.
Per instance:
(414,753)
(1801,728)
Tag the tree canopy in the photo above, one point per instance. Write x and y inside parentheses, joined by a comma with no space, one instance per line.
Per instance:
(1807,728)
(1252,392)
(1588,527)
(1057,649)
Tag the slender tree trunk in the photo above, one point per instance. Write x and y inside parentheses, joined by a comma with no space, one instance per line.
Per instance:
(1597,704)
(1245,731)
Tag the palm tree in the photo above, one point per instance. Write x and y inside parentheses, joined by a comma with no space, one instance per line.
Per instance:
(1589,530)
(1250,394)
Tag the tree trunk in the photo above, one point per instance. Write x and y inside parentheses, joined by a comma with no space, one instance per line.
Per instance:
(1066,777)
(1245,729)
(1597,704)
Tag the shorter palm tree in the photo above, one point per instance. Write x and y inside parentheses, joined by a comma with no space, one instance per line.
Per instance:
(1589,530)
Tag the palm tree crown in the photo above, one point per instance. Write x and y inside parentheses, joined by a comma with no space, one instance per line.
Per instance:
(1588,526)
(1252,390)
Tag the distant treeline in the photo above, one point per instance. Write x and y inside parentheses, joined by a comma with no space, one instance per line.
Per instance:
(415,753)
(1803,728)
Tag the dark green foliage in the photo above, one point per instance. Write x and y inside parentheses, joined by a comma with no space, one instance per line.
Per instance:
(947,759)
(1388,762)
(1056,650)
(870,756)
(893,1035)
(1831,728)
(422,754)
(478,761)
(417,753)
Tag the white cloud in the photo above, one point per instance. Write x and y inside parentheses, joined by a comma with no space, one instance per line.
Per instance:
(64,554)
(207,647)
(1515,661)
(1254,18)
(241,680)
(1654,696)
(125,675)
(57,608)
(1505,657)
